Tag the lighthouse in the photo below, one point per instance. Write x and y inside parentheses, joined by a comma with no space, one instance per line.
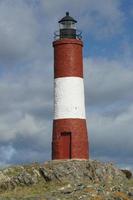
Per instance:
(70,138)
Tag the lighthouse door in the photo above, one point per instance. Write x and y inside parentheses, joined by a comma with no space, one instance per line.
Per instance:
(66,142)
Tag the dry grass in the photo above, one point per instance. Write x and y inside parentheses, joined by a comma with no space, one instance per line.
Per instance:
(35,190)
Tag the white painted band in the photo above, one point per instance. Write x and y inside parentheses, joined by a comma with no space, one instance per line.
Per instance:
(69,98)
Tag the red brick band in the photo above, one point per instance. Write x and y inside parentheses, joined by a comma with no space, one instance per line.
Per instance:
(68,58)
(70,139)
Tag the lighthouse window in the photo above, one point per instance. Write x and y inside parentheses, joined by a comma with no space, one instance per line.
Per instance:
(67,25)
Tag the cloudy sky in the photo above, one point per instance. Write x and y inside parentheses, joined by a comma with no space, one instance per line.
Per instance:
(26,77)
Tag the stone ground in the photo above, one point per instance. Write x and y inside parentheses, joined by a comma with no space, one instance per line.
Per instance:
(68,179)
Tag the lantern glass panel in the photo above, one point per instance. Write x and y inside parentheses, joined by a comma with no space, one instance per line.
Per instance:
(67,25)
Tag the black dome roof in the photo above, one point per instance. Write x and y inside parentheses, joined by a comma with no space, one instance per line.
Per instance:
(67,18)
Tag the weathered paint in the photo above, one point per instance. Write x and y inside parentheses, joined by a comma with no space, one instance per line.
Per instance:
(69,98)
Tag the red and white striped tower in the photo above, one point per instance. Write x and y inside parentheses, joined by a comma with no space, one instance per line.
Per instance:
(70,140)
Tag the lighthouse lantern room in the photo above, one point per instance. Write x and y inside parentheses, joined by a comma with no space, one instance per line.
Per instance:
(67,27)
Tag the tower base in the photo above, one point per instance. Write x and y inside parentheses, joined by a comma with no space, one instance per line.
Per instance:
(70,139)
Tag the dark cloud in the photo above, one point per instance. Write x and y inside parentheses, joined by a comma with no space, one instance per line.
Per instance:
(31,148)
(111,137)
(6,153)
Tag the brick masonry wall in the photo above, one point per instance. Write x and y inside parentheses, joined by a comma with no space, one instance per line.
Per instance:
(68,58)
(79,139)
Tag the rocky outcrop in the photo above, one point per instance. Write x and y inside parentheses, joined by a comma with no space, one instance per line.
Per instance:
(127,173)
(68,179)
(78,170)
(11,178)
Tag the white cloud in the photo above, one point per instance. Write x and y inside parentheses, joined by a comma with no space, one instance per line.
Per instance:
(100,18)
(108,81)
(111,138)
(26,94)
(108,86)
(27,26)
(25,102)
(18,30)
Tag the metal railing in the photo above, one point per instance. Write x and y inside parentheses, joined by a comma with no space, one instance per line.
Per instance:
(57,35)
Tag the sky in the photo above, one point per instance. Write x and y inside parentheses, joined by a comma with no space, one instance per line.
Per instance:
(26,77)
